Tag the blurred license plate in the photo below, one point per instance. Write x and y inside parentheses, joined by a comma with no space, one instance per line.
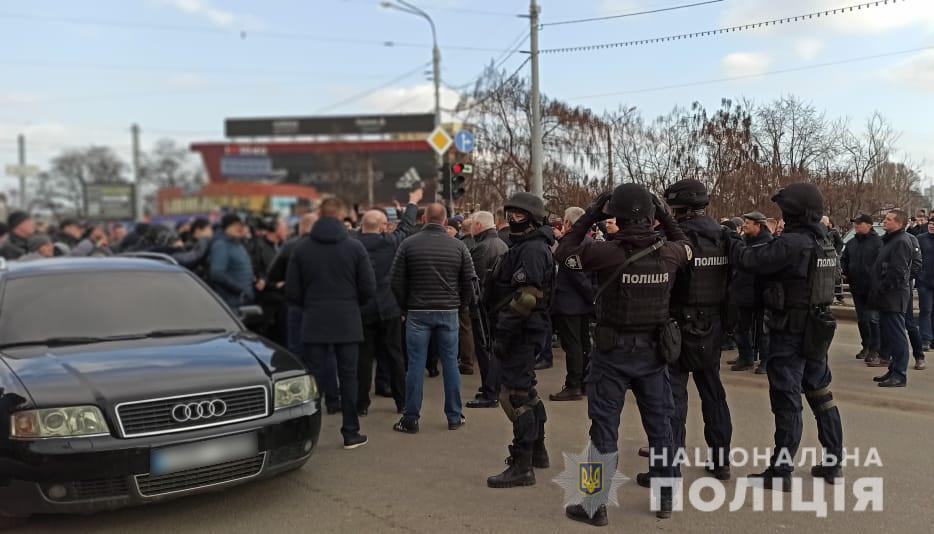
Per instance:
(201,454)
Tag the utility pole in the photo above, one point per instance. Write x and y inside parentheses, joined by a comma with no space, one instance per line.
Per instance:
(369,180)
(21,143)
(137,175)
(609,156)
(538,188)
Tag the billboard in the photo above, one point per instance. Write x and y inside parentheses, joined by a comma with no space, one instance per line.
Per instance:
(338,125)
(110,201)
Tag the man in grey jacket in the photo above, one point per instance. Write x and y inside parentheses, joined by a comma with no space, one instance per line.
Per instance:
(432,277)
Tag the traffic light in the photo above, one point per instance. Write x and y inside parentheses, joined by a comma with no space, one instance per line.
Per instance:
(457,180)
(444,184)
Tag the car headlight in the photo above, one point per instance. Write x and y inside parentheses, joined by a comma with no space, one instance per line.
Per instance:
(292,391)
(58,422)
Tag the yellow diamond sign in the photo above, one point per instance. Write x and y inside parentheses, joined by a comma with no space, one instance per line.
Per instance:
(440,140)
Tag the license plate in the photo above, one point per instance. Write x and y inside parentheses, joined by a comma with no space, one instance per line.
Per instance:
(203,453)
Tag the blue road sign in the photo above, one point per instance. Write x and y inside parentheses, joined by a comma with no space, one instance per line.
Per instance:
(464,141)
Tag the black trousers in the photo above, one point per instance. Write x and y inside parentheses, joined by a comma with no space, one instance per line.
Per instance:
(383,341)
(574,333)
(791,374)
(718,426)
(347,354)
(489,367)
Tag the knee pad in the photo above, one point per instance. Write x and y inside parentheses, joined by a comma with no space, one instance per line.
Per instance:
(820,400)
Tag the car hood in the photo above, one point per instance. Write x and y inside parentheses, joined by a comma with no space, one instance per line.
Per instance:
(106,374)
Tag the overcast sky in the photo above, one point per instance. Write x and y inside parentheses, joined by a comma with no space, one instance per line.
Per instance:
(79,73)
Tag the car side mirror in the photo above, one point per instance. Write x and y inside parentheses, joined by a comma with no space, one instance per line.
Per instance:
(249,312)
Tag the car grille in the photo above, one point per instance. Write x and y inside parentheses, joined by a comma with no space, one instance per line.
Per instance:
(151,486)
(143,418)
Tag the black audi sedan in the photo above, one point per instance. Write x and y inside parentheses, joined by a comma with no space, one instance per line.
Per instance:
(127,381)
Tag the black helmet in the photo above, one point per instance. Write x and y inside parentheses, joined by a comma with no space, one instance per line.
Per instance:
(687,193)
(161,236)
(528,203)
(799,201)
(631,202)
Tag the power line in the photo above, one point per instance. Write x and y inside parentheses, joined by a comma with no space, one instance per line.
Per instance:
(466,11)
(242,34)
(491,91)
(718,31)
(368,92)
(758,75)
(498,63)
(633,14)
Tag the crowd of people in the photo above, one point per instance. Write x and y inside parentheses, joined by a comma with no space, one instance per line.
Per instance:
(354,293)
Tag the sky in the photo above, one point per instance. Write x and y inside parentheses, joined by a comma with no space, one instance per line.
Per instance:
(74,74)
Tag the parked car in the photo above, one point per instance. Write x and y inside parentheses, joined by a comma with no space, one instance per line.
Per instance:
(128,381)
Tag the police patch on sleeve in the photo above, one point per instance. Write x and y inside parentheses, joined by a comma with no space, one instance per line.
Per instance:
(519,276)
(690,252)
(573,263)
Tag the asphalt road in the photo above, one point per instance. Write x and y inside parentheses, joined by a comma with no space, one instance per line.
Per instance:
(435,481)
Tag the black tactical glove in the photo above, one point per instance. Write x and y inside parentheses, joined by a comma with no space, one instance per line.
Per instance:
(595,213)
(661,209)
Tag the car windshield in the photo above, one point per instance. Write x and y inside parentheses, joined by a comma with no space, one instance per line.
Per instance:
(81,307)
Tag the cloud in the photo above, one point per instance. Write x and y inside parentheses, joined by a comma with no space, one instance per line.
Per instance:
(916,72)
(808,48)
(745,63)
(18,98)
(616,7)
(186,81)
(867,21)
(418,98)
(219,17)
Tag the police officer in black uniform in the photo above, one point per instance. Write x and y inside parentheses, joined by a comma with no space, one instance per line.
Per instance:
(517,296)
(798,268)
(636,271)
(698,302)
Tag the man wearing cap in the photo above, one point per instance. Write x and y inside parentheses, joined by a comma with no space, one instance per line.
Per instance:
(859,255)
(746,291)
(231,272)
(21,227)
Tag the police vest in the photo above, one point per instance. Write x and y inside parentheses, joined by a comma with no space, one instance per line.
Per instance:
(818,288)
(638,299)
(704,282)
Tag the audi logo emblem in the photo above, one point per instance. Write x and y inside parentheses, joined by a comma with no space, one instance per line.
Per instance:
(197,411)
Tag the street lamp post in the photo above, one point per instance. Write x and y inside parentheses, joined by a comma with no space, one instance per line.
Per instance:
(408,7)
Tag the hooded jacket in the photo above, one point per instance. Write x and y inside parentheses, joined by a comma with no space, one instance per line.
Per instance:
(330,276)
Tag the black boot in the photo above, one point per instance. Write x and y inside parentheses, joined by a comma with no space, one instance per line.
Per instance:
(771,479)
(666,504)
(519,473)
(539,452)
(828,472)
(577,513)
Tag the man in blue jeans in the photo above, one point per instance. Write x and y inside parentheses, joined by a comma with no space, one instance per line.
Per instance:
(925,285)
(432,278)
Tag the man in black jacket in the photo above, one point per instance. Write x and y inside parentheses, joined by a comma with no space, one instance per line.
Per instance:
(330,276)
(891,294)
(925,284)
(572,308)
(21,227)
(432,278)
(487,251)
(276,278)
(517,295)
(858,257)
(382,318)
(798,269)
(746,293)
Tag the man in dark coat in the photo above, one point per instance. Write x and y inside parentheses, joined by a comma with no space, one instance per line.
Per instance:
(925,285)
(890,294)
(487,251)
(382,318)
(330,276)
(859,255)
(21,227)
(746,294)
(572,308)
(231,273)
(276,278)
